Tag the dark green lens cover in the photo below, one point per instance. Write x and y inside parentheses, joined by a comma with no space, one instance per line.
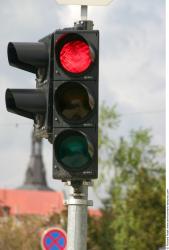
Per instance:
(74,150)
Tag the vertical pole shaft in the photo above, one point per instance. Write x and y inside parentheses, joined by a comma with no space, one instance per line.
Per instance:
(84,12)
(77,217)
(78,199)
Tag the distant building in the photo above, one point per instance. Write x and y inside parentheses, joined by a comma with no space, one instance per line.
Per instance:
(34,196)
(35,178)
(26,202)
(4,209)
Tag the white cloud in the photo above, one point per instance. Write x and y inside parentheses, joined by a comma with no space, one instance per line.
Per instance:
(134,66)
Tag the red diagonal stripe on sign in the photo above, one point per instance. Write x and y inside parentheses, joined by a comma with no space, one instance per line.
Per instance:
(55,242)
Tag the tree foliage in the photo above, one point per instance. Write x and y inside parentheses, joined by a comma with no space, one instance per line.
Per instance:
(137,195)
(25,232)
(136,203)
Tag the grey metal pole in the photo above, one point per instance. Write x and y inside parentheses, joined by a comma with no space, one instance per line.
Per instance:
(77,201)
(77,215)
(84,9)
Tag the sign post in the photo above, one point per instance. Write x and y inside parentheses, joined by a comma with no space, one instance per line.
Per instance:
(77,215)
(84,12)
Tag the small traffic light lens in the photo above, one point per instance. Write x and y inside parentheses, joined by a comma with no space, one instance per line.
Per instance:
(73,150)
(76,56)
(73,102)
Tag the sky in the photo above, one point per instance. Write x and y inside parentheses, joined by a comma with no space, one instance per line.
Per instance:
(132,71)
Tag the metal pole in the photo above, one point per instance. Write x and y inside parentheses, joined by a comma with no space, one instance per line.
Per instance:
(84,9)
(77,201)
(77,215)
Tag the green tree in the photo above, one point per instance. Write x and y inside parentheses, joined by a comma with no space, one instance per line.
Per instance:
(137,194)
(108,121)
(25,232)
(133,171)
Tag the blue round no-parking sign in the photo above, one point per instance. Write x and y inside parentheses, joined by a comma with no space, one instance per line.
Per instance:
(54,239)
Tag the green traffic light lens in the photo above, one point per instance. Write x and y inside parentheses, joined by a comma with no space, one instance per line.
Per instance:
(73,102)
(73,150)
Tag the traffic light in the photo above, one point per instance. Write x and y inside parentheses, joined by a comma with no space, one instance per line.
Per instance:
(64,104)
(75,104)
(32,103)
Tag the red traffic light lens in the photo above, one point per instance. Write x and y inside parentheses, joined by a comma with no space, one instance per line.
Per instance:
(76,56)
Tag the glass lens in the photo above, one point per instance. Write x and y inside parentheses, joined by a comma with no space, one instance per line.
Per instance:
(75,56)
(74,151)
(73,101)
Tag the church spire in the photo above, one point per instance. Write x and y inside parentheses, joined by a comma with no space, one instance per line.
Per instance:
(35,178)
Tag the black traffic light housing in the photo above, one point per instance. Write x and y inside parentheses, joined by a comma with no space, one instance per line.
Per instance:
(75,104)
(64,104)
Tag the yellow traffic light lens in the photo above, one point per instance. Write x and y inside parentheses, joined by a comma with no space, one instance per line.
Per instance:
(73,150)
(73,102)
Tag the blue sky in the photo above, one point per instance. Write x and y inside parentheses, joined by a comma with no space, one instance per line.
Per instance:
(132,70)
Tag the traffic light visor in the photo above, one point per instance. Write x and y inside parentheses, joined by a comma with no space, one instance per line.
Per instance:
(73,150)
(75,54)
(25,102)
(28,56)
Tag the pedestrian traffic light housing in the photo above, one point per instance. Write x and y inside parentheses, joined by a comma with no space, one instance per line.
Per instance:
(75,104)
